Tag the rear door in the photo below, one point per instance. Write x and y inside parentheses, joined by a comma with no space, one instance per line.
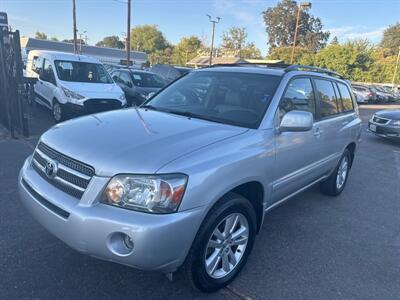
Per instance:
(48,82)
(297,153)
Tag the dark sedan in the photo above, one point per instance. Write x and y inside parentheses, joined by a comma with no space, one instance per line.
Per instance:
(386,123)
(137,85)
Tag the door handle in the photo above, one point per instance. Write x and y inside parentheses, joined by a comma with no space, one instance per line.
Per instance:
(317,132)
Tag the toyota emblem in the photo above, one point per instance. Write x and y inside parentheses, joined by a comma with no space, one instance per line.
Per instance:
(50,169)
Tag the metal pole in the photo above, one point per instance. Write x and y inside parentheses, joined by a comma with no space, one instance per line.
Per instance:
(74,26)
(295,34)
(395,68)
(128,36)
(212,42)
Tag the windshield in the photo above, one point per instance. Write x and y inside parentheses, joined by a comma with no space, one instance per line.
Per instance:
(232,98)
(147,80)
(77,71)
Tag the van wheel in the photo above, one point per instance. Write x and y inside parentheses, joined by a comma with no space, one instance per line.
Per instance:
(58,111)
(222,245)
(336,182)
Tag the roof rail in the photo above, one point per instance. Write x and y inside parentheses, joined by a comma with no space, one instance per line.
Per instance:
(314,69)
(285,67)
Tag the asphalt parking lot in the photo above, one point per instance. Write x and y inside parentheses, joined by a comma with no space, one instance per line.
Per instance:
(312,247)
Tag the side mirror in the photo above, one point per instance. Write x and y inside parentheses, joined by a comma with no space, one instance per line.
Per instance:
(150,95)
(129,84)
(296,120)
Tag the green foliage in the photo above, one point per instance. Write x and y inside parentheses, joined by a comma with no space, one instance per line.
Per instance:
(54,39)
(111,42)
(302,55)
(148,38)
(161,56)
(40,35)
(186,49)
(391,38)
(235,41)
(280,22)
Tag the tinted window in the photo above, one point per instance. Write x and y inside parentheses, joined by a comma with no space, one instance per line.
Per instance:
(124,77)
(232,98)
(346,97)
(147,80)
(299,95)
(47,72)
(327,98)
(76,71)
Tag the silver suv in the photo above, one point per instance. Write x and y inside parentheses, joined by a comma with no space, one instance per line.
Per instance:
(183,182)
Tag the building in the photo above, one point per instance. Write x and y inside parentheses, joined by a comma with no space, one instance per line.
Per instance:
(105,55)
(204,61)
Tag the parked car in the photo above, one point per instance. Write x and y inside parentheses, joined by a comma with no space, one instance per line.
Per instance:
(183,182)
(137,85)
(364,94)
(72,84)
(386,123)
(169,72)
(381,95)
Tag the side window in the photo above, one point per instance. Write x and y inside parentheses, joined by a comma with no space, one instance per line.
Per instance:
(327,98)
(115,76)
(299,95)
(37,64)
(47,73)
(345,95)
(125,78)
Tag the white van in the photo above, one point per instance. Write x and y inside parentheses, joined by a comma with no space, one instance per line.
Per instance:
(72,84)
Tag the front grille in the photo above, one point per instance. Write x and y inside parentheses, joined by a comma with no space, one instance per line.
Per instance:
(379,120)
(99,105)
(71,176)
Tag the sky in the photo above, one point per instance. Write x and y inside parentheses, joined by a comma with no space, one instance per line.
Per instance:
(347,19)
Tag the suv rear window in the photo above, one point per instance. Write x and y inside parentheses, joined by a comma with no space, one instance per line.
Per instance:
(347,102)
(327,98)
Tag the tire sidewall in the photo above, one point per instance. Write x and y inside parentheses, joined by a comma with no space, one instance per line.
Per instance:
(199,274)
(55,102)
(346,154)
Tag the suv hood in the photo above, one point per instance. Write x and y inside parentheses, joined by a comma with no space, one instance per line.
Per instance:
(133,141)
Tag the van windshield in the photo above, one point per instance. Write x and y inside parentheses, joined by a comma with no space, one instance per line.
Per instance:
(76,71)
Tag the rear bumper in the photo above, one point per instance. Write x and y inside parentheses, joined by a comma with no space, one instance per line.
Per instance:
(161,242)
(384,130)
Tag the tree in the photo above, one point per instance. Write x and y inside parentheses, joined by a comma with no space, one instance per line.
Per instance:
(235,40)
(391,38)
(335,40)
(71,41)
(111,42)
(186,49)
(40,35)
(148,38)
(302,55)
(280,22)
(54,39)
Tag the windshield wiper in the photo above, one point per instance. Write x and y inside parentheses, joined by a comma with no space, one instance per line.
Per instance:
(149,106)
(196,116)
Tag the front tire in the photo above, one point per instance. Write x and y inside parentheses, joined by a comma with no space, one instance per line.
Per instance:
(222,245)
(335,183)
(58,111)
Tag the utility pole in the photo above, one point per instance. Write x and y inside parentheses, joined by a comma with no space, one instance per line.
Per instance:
(74,26)
(215,21)
(395,68)
(301,5)
(128,36)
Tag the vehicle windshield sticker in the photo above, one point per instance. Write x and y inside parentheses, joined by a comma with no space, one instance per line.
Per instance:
(137,77)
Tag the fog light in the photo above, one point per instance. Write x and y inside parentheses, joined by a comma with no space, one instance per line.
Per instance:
(128,242)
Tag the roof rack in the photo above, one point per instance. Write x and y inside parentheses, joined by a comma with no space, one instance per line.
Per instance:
(314,69)
(285,67)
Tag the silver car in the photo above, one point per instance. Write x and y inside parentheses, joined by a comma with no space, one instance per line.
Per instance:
(183,182)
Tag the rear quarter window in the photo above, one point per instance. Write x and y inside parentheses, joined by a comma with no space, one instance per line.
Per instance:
(327,98)
(345,96)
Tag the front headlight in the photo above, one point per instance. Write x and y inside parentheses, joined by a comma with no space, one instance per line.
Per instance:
(395,122)
(148,193)
(71,94)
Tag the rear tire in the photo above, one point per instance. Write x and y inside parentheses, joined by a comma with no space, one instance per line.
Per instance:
(214,260)
(336,182)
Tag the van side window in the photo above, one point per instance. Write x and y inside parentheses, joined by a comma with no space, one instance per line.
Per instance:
(327,98)
(347,102)
(47,73)
(37,64)
(299,95)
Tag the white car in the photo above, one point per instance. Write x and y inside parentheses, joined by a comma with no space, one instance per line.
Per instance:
(72,84)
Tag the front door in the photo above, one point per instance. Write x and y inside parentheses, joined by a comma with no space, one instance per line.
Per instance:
(48,83)
(297,153)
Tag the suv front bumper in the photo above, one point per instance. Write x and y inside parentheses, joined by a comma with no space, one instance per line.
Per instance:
(160,242)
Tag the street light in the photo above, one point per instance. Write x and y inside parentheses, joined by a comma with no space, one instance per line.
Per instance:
(80,41)
(301,6)
(215,21)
